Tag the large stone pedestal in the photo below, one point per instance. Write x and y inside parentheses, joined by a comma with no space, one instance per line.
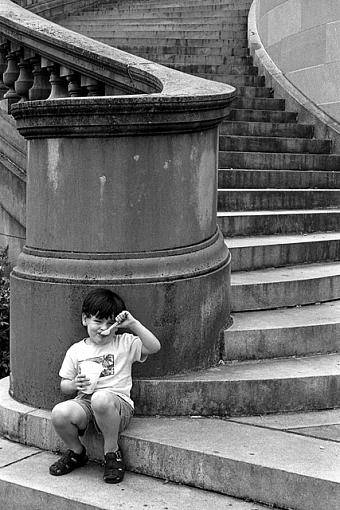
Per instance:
(123,197)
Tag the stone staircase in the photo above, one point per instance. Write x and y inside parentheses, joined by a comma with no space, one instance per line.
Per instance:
(279,210)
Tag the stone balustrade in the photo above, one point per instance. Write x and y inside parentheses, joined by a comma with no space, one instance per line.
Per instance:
(121,193)
(33,71)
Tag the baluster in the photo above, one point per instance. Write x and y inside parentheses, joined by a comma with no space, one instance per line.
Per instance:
(10,76)
(41,88)
(73,80)
(93,87)
(58,84)
(25,79)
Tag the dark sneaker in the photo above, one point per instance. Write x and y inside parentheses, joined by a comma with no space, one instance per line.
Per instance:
(114,467)
(68,462)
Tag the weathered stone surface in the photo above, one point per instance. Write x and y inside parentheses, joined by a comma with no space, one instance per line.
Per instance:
(246,461)
(296,331)
(27,484)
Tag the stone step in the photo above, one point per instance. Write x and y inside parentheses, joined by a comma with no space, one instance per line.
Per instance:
(250,455)
(278,222)
(158,4)
(272,199)
(150,16)
(229,7)
(273,144)
(177,12)
(239,6)
(172,3)
(233,457)
(189,42)
(299,331)
(266,129)
(233,389)
(109,21)
(247,449)
(273,161)
(201,59)
(187,60)
(295,179)
(270,288)
(25,484)
(103,33)
(208,25)
(245,388)
(182,52)
(270,116)
(218,69)
(254,91)
(258,103)
(237,80)
(166,12)
(137,46)
(258,252)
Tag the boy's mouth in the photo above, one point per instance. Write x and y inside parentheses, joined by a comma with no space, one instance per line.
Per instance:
(100,334)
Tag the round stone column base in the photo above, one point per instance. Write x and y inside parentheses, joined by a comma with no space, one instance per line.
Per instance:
(186,312)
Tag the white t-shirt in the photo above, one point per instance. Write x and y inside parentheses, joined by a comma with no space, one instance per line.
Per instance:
(116,357)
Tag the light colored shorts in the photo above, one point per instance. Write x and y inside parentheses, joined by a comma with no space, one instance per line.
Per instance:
(125,410)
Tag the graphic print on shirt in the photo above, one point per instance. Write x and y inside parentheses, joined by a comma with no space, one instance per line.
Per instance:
(108,362)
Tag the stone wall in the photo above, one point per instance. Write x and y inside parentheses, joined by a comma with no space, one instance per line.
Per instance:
(302,37)
(12,185)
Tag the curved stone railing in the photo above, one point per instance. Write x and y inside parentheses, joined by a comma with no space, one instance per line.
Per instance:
(282,39)
(27,37)
(121,192)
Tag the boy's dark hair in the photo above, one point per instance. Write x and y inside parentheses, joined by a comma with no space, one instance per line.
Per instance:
(102,303)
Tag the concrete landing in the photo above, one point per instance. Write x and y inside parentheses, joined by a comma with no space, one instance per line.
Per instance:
(319,424)
(25,484)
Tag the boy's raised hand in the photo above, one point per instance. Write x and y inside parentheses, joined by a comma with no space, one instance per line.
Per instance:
(125,319)
(150,343)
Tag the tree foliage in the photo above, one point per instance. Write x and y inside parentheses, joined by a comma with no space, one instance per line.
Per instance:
(4,316)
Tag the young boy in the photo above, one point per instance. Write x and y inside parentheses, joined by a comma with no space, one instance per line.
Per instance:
(110,405)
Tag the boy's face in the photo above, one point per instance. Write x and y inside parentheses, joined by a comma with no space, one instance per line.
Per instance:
(95,326)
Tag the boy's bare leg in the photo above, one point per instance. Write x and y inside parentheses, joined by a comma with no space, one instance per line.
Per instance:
(68,418)
(106,412)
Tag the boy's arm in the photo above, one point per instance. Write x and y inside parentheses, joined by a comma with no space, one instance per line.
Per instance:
(70,386)
(151,344)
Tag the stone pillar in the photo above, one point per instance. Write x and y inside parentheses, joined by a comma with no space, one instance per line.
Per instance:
(121,193)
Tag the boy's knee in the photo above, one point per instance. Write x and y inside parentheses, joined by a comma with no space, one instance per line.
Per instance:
(102,401)
(60,414)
